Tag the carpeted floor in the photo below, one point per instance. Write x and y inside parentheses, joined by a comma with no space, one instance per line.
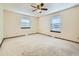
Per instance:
(38,45)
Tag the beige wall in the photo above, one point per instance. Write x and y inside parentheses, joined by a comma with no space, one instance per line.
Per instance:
(12,24)
(69,27)
(1,25)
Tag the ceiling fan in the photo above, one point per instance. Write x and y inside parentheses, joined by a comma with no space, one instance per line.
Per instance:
(39,7)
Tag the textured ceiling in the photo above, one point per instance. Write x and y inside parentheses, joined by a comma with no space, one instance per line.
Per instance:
(25,8)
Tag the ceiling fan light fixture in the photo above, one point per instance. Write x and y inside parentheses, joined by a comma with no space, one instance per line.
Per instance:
(39,7)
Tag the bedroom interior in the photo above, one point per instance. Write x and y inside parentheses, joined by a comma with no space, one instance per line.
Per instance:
(39,29)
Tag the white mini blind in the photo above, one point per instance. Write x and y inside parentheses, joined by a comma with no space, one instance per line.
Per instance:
(25,23)
(56,24)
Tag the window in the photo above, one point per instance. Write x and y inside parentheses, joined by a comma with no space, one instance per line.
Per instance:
(55,24)
(25,23)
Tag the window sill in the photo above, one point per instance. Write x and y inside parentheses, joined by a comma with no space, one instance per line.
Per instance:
(55,31)
(25,27)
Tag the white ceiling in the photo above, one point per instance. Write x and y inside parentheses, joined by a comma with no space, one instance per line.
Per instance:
(25,8)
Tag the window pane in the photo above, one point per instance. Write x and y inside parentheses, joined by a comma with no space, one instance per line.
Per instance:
(25,23)
(56,23)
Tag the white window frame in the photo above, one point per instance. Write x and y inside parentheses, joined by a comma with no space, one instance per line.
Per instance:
(27,21)
(56,24)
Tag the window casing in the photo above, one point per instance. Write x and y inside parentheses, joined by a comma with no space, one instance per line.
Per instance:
(25,23)
(56,24)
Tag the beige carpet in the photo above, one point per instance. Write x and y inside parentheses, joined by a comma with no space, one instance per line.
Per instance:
(38,45)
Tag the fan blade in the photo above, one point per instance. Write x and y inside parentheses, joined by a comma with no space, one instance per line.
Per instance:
(44,9)
(34,10)
(42,4)
(33,6)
